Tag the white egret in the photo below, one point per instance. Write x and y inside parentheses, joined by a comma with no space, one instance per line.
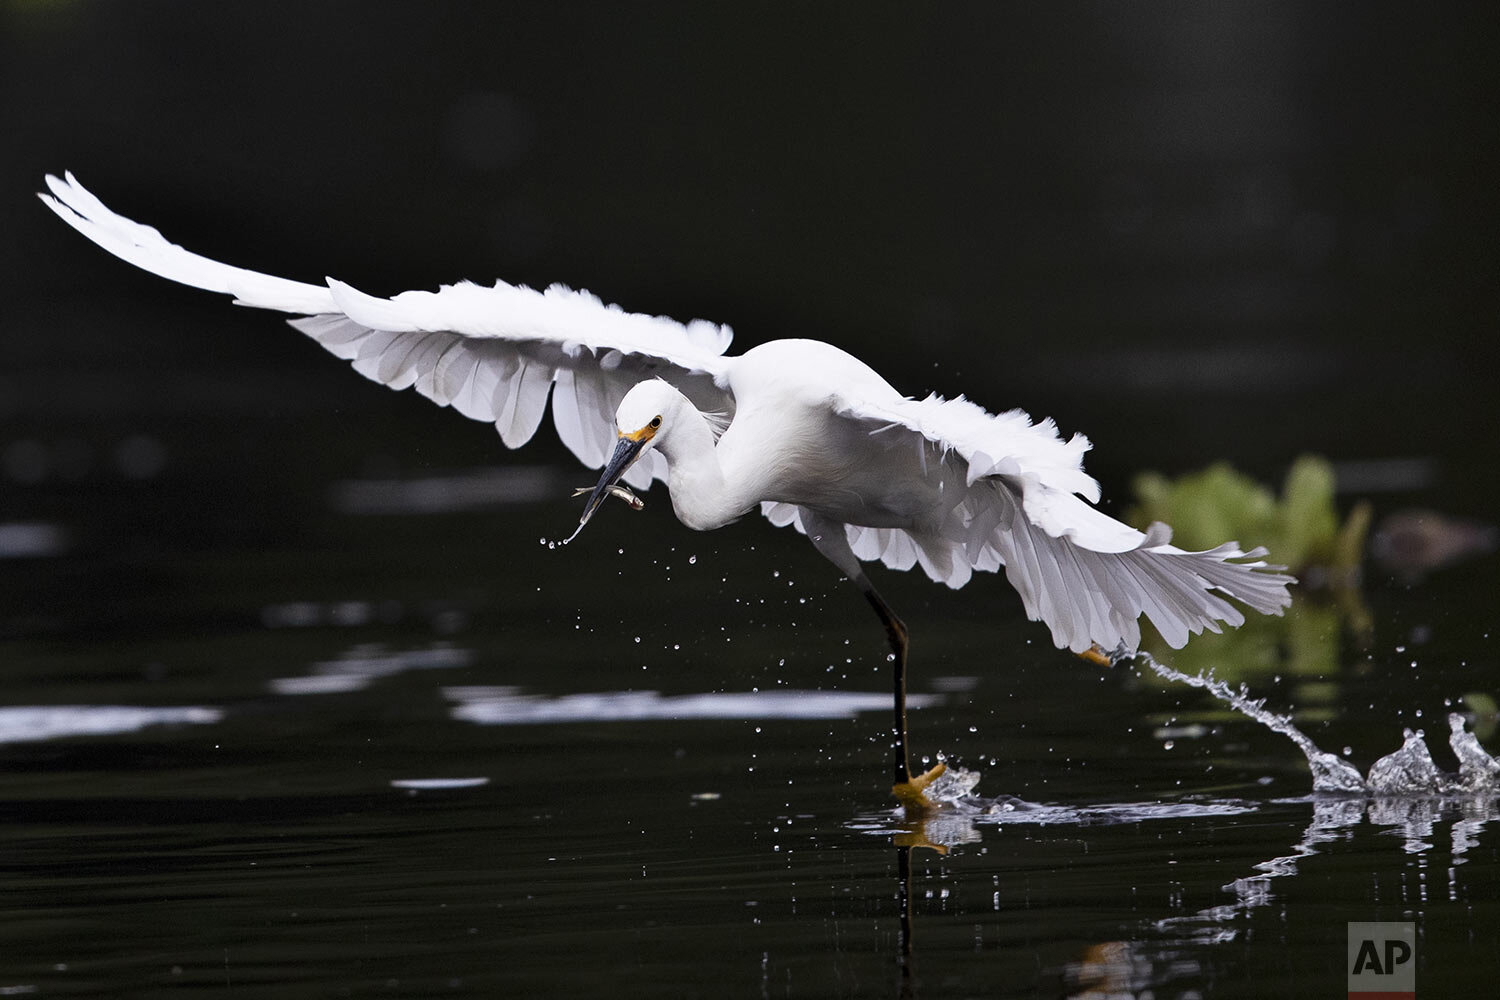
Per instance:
(807,433)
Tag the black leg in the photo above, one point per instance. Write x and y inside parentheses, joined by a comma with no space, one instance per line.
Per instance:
(895,630)
(830,539)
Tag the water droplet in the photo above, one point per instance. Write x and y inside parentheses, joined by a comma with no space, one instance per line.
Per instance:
(692,560)
(1167,745)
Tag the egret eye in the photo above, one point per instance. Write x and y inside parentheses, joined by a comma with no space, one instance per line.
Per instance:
(655,422)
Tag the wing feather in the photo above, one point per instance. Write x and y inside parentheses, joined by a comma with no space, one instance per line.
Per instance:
(525,405)
(492,353)
(147,249)
(1007,491)
(1013,493)
(450,370)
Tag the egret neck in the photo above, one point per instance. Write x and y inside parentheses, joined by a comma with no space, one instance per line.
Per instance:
(703,497)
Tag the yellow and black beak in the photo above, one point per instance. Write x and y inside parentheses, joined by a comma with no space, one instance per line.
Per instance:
(627,450)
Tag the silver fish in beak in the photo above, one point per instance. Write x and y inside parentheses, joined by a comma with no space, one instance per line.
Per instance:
(627,450)
(623,492)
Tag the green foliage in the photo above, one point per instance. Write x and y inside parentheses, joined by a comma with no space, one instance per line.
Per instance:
(1302,531)
(1301,528)
(1485,711)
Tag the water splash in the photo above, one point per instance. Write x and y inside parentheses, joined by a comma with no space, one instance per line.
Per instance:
(1404,789)
(1409,771)
(956,812)
(1330,773)
(1477,770)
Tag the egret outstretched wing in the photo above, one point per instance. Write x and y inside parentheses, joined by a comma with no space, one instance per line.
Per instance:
(1014,496)
(492,353)
(995,490)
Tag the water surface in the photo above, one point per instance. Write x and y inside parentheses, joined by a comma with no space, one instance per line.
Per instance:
(397,754)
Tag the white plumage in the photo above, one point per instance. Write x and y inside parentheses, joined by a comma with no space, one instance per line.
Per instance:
(808,433)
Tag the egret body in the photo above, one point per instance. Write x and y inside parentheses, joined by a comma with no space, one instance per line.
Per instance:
(805,432)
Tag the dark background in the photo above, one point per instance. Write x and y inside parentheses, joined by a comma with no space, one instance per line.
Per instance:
(1192,232)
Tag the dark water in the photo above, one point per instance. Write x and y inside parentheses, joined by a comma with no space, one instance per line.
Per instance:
(596,829)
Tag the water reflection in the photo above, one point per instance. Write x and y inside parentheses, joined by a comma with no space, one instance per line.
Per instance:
(511,706)
(438,784)
(25,723)
(1132,966)
(1163,951)
(364,664)
(32,540)
(1170,950)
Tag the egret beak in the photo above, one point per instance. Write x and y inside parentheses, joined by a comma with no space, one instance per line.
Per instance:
(626,452)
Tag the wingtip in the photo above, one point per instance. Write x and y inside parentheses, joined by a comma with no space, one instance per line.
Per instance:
(57,202)
(64,186)
(53,184)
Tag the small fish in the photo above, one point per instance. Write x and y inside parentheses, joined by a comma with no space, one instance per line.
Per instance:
(636,503)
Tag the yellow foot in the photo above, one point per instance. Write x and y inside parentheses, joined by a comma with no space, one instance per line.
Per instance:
(909,793)
(917,839)
(1095,654)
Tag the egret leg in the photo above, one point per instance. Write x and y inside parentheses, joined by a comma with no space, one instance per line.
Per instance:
(829,538)
(895,631)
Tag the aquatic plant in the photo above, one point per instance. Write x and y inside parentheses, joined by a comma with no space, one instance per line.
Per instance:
(1301,528)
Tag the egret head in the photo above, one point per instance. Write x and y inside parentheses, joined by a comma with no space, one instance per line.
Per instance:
(641,422)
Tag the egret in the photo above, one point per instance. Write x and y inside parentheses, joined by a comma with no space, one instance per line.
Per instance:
(805,432)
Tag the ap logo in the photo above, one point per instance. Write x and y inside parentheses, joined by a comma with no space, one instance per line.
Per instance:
(1382,961)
